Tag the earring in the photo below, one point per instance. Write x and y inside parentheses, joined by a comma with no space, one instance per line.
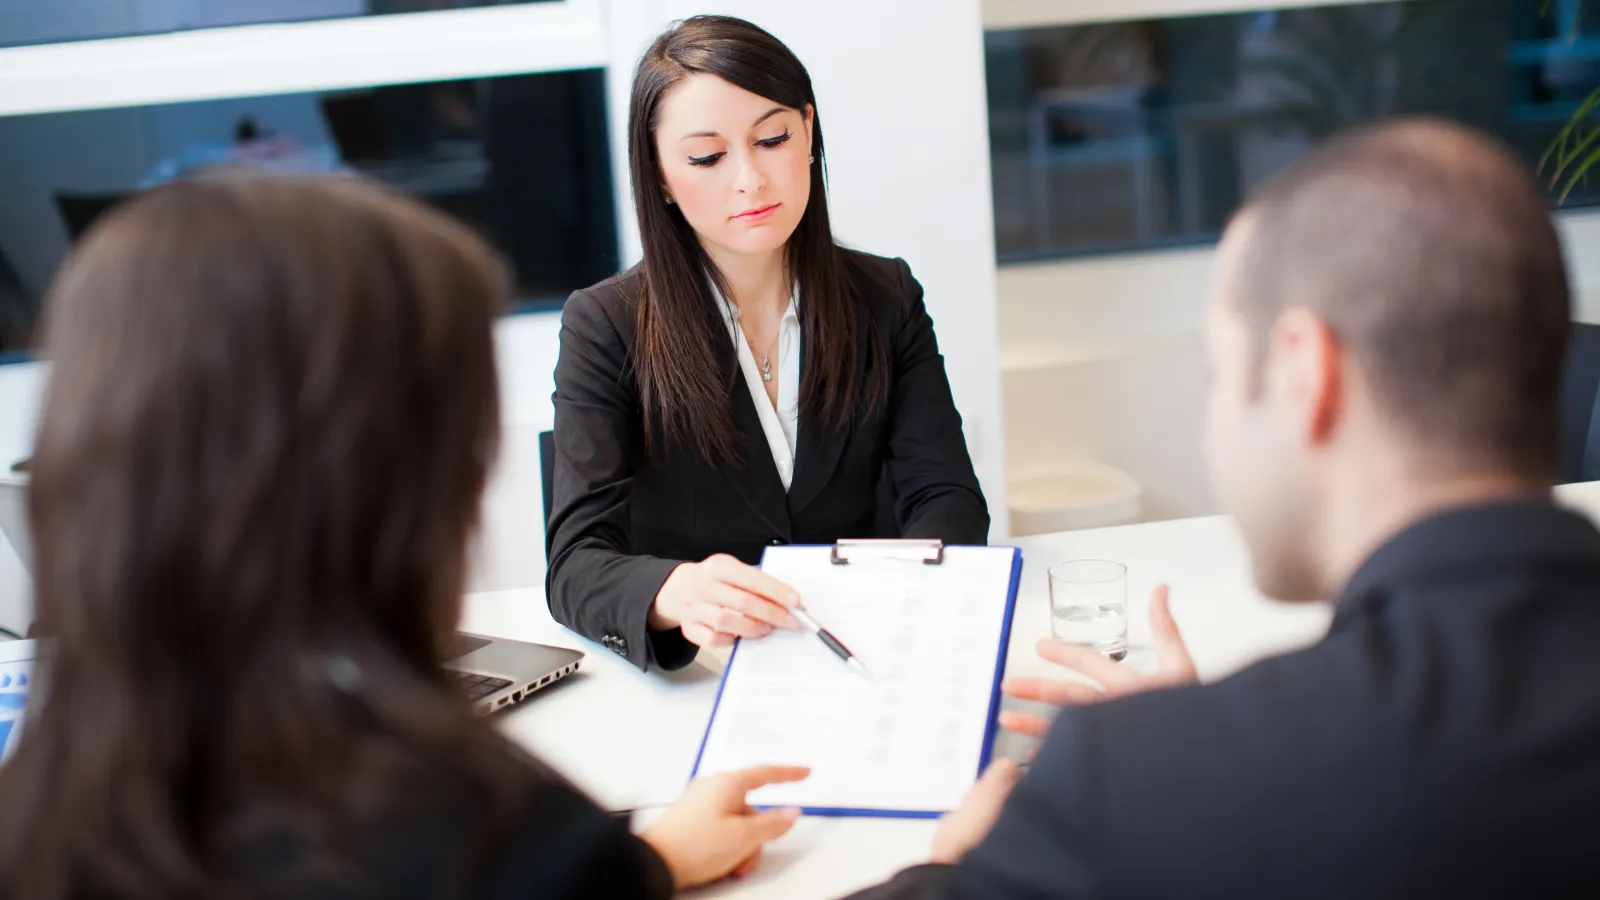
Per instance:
(812,160)
(669,200)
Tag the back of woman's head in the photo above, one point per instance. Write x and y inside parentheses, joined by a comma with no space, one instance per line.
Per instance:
(270,417)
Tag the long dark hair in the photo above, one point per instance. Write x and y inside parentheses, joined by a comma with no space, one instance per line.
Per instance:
(682,383)
(270,418)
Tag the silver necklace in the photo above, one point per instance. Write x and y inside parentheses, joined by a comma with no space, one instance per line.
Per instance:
(766,359)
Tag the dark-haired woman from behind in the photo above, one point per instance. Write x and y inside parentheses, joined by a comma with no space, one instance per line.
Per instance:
(750,383)
(271,412)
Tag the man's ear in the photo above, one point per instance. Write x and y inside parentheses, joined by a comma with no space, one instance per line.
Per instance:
(1305,362)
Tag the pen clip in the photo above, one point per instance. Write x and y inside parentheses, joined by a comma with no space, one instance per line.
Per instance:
(929,551)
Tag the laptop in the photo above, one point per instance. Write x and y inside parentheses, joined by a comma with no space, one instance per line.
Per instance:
(497,672)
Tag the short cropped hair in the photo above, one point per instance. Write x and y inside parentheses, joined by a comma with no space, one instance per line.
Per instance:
(1430,252)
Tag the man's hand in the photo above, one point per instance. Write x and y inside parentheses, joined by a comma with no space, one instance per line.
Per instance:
(963,829)
(1173,667)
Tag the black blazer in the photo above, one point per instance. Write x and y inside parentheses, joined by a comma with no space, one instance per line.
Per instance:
(622,520)
(1443,740)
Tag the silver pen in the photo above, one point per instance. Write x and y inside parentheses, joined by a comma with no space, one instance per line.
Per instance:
(829,641)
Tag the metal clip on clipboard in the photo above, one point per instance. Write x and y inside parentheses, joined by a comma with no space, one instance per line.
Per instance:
(929,551)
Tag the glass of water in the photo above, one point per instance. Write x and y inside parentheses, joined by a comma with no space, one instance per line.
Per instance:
(1089,604)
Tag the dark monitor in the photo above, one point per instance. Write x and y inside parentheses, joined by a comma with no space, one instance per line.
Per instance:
(524,160)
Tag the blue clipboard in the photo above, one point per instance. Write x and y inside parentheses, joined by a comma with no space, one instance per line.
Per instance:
(991,727)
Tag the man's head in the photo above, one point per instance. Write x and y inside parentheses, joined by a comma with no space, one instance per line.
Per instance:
(1392,311)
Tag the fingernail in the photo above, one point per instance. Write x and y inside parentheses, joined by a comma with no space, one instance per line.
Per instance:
(791,622)
(792,813)
(792,599)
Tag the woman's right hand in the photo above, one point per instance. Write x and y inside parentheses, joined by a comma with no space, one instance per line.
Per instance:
(721,599)
(711,832)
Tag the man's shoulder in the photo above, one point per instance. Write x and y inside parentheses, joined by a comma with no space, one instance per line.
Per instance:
(1302,721)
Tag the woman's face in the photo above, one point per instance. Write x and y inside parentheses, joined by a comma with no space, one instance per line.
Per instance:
(736,164)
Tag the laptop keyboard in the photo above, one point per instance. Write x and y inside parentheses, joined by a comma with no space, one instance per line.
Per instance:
(481,686)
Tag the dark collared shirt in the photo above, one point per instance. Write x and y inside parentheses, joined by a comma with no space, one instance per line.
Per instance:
(1442,741)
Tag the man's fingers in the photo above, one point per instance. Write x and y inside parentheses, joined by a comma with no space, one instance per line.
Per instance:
(1024,723)
(755,581)
(999,778)
(1112,676)
(1054,691)
(1172,654)
(747,780)
(752,606)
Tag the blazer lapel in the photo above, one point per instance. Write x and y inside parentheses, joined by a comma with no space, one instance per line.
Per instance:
(816,456)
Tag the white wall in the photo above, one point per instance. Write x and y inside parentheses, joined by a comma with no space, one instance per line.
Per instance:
(1102,360)
(20,388)
(1037,13)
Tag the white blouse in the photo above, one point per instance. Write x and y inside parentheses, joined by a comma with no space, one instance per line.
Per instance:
(780,425)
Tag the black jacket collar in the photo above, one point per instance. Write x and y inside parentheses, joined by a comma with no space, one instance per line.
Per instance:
(1510,534)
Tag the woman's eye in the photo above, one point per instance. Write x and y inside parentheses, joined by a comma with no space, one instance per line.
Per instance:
(771,142)
(706,161)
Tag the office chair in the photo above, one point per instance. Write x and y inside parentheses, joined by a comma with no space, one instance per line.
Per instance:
(79,211)
(547,470)
(18,309)
(1580,396)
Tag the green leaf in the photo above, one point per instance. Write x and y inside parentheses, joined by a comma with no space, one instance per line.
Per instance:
(1558,145)
(1574,154)
(1577,176)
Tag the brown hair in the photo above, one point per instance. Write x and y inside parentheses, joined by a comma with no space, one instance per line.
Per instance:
(1430,253)
(682,385)
(271,414)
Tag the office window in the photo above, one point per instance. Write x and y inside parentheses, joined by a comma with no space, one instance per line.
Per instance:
(523,159)
(52,21)
(1146,134)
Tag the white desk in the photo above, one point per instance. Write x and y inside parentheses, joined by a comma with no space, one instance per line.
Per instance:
(630,739)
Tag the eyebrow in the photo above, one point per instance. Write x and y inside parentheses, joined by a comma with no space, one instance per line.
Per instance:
(764,116)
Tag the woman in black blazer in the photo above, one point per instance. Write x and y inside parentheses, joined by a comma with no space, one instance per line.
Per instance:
(750,383)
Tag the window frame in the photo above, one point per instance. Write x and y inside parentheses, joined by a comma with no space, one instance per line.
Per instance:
(301,57)
(1005,15)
